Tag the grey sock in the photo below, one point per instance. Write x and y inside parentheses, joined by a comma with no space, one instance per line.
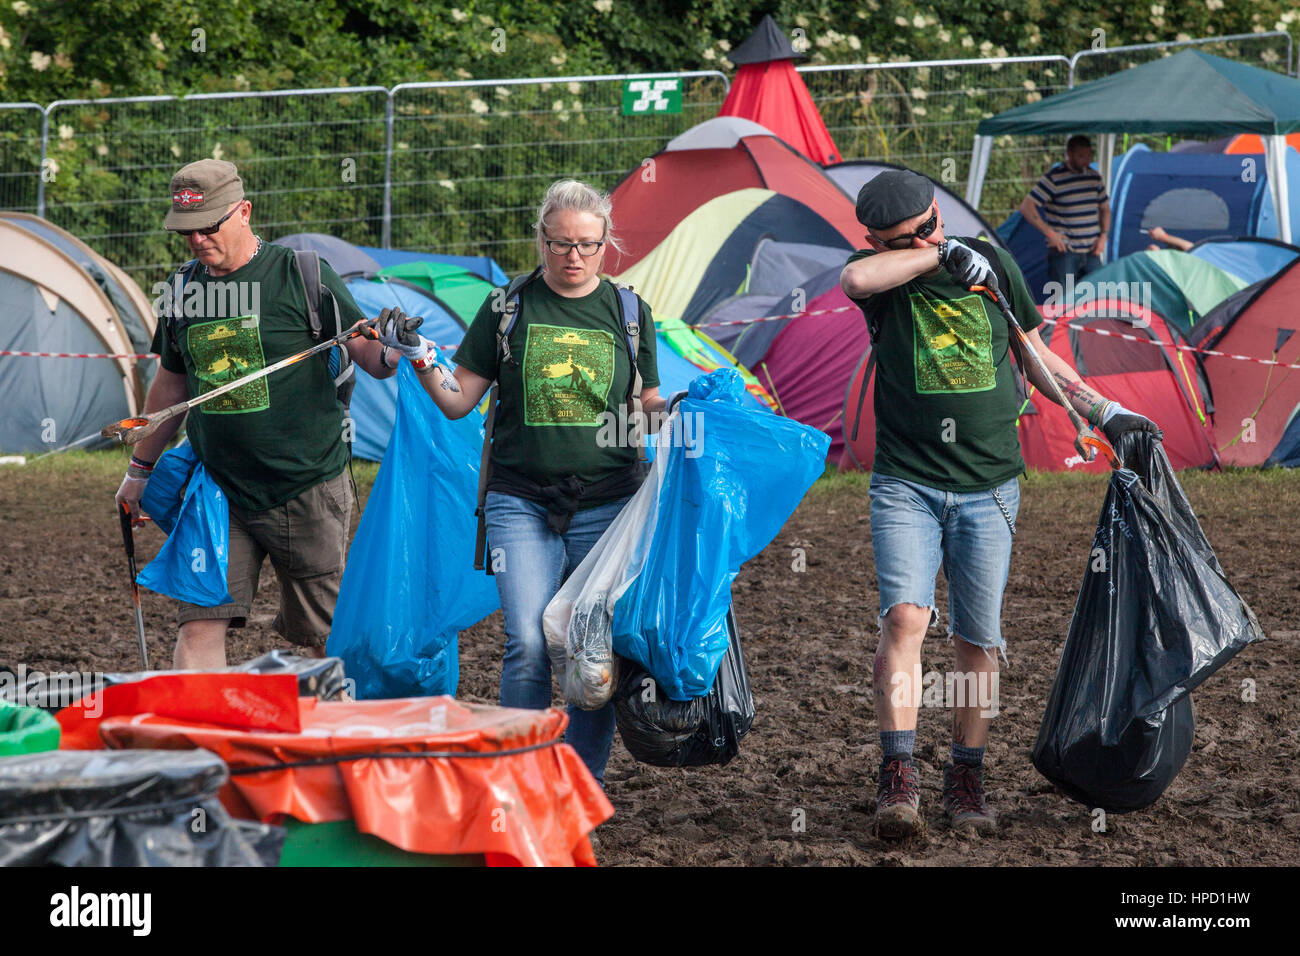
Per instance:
(897,743)
(972,756)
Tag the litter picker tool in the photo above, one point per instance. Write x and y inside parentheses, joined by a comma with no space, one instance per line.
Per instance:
(1084,437)
(131,430)
(128,541)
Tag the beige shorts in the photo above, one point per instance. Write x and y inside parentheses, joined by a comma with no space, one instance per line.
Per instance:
(307,540)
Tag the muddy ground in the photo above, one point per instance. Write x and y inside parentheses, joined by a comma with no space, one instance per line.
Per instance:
(809,639)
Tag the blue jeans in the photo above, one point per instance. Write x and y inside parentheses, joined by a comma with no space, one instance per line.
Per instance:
(534,561)
(915,529)
(1061,264)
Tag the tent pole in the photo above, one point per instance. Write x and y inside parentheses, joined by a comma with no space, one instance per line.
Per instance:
(979,164)
(1275,162)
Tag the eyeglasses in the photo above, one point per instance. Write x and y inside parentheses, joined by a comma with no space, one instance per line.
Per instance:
(210,230)
(905,242)
(559,247)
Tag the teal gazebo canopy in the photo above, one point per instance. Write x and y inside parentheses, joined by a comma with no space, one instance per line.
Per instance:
(1191,92)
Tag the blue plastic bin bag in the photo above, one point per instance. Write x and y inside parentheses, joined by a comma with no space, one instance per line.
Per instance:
(659,581)
(191,565)
(410,585)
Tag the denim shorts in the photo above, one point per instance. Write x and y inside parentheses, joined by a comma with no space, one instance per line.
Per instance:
(915,530)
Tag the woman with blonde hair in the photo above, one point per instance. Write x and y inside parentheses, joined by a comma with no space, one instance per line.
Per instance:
(565,373)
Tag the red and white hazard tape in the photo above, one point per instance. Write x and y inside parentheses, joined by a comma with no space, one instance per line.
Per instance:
(1080,328)
(107,355)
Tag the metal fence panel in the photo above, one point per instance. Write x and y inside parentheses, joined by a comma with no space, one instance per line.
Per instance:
(20,155)
(472,160)
(311,161)
(923,115)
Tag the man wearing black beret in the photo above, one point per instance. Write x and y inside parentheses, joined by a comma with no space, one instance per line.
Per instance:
(944,489)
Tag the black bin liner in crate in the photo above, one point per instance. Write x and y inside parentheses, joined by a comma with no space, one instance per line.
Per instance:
(317,677)
(1155,617)
(691,733)
(125,808)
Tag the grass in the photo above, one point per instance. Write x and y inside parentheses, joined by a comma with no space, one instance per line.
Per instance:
(108,466)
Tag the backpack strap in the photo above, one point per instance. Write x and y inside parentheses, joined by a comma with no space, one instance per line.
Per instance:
(176,303)
(631,312)
(510,312)
(341,367)
(989,252)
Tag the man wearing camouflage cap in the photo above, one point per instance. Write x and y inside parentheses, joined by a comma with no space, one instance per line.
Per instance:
(944,489)
(275,447)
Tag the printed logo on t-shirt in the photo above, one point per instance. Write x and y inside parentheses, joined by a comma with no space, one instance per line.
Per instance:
(567,375)
(953,345)
(226,350)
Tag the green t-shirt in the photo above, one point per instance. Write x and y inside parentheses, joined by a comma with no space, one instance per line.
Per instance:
(272,439)
(945,395)
(561,396)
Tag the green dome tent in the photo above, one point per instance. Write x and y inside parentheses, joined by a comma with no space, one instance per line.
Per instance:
(1191,92)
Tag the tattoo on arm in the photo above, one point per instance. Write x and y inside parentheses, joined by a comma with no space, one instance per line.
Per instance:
(447,381)
(1080,396)
(880,676)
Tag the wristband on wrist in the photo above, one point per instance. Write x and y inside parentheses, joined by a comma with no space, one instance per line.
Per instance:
(943,251)
(140,474)
(142,463)
(1097,412)
(427,362)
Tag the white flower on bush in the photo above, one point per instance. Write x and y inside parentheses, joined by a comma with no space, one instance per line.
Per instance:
(575,87)
(458,15)
(918,110)
(557,106)
(446,184)
(709,54)
(503,92)
(918,93)
(944,36)
(477,105)
(21,8)
(1157,10)
(986,47)
(101,149)
(1214,4)
(1030,85)
(217,151)
(724,46)
(1269,56)
(157,42)
(40,61)
(968,41)
(918,21)
(65,131)
(900,21)
(854,42)
(603,6)
(4,39)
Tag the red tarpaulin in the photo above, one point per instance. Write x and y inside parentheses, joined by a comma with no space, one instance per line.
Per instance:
(427,774)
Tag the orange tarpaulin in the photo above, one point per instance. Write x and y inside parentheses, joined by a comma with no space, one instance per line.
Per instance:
(427,774)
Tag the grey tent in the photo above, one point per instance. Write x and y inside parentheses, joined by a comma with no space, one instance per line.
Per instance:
(61,296)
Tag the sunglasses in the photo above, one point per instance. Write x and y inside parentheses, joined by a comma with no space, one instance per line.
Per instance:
(210,230)
(905,242)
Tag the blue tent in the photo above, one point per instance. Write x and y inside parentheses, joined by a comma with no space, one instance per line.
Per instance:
(1248,258)
(1192,195)
(374,402)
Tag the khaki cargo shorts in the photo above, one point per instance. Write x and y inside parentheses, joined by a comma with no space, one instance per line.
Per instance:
(307,539)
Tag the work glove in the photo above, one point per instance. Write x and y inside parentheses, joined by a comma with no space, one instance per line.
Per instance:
(1116,420)
(967,267)
(129,495)
(396,330)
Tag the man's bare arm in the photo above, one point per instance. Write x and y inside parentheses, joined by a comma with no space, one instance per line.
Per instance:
(1082,399)
(167,389)
(887,270)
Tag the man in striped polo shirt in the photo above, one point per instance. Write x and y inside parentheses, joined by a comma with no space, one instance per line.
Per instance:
(1075,213)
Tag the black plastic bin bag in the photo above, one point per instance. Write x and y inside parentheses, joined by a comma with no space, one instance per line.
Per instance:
(125,808)
(1155,618)
(691,733)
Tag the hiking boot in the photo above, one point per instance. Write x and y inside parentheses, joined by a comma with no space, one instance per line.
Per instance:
(963,799)
(898,800)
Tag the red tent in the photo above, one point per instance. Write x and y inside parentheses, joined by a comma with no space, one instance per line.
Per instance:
(716,157)
(1122,350)
(1253,403)
(769,91)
